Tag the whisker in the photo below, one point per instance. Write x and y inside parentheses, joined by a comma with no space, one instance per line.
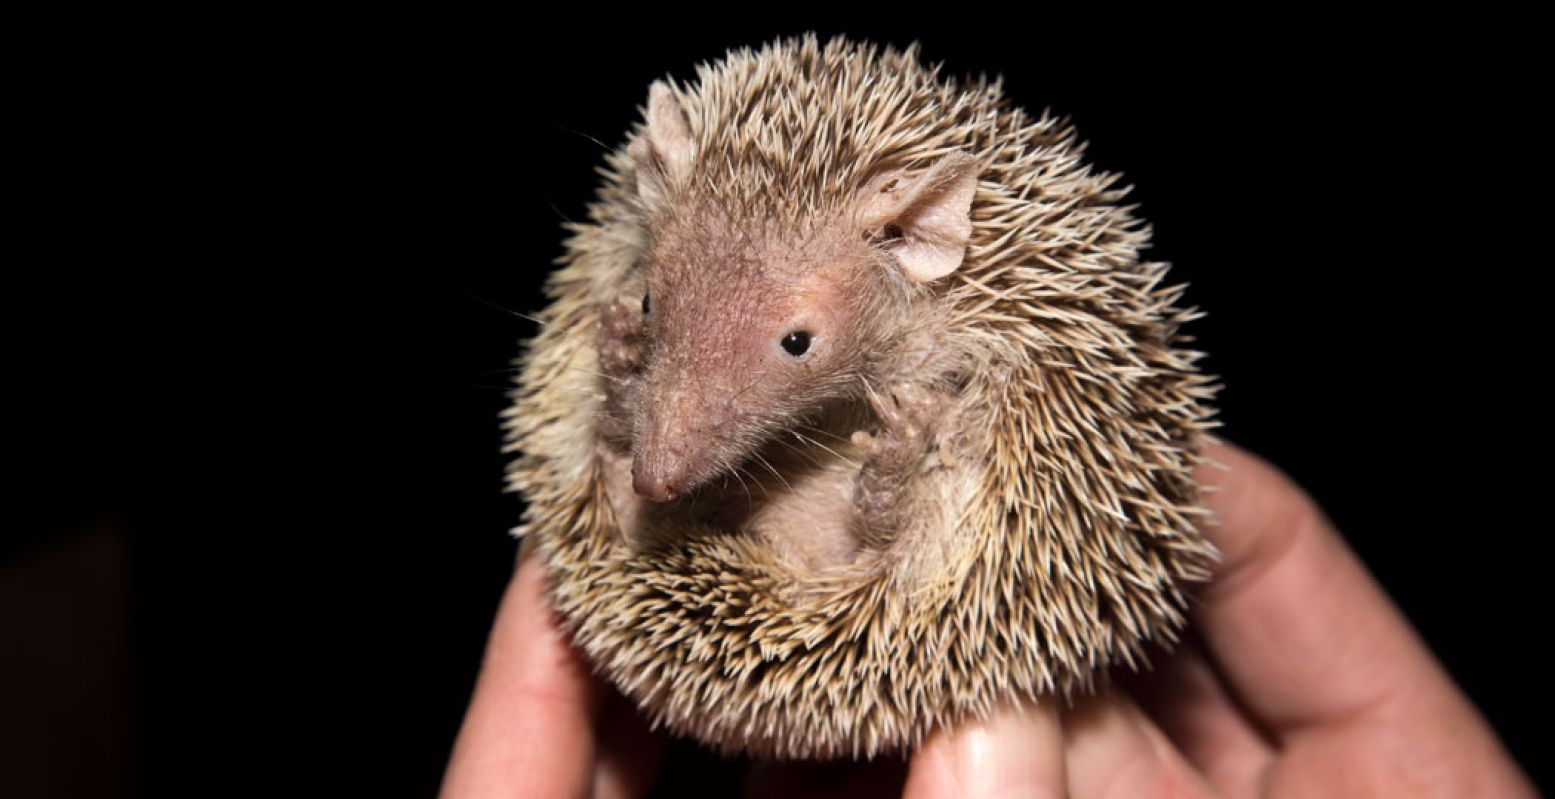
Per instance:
(607,148)
(759,484)
(595,373)
(559,213)
(748,387)
(812,441)
(824,432)
(508,371)
(806,455)
(472,295)
(763,461)
(749,500)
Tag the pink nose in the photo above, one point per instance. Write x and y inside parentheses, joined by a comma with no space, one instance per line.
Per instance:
(651,486)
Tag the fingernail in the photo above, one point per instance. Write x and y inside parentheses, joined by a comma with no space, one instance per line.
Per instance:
(1016,752)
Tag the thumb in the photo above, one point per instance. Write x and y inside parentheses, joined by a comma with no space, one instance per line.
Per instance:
(1018,751)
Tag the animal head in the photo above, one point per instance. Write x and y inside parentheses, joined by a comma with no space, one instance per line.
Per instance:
(765,300)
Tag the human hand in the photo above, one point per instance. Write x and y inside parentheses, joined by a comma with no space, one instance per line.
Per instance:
(1303,680)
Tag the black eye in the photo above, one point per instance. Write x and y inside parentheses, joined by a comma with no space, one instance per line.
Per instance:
(797,343)
(645,305)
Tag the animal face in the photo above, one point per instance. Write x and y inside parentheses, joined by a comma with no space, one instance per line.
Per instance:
(749,330)
(755,317)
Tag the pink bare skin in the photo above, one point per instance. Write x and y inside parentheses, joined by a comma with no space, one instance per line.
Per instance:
(1304,681)
(754,319)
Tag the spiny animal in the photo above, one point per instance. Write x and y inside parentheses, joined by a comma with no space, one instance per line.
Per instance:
(856,410)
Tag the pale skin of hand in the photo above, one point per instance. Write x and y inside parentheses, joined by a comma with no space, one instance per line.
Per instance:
(1302,679)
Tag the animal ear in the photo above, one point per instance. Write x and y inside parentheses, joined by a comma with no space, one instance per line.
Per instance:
(663,151)
(925,220)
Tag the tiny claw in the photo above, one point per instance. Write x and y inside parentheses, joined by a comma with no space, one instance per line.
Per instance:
(947,456)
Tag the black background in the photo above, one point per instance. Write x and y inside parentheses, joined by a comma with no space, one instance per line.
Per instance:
(262,304)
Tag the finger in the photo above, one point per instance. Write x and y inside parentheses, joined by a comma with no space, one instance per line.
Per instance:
(529,727)
(1300,629)
(1312,645)
(1113,751)
(629,754)
(1016,752)
(1185,699)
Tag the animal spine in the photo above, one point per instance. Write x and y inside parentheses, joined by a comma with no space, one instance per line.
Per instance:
(1047,533)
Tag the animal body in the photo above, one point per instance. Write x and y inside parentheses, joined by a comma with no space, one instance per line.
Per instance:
(856,410)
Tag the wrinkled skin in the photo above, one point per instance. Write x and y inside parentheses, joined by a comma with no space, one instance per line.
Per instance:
(718,378)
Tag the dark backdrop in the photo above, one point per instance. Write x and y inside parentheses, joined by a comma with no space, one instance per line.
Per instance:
(268,296)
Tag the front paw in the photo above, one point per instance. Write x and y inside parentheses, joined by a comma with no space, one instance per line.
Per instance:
(914,436)
(909,415)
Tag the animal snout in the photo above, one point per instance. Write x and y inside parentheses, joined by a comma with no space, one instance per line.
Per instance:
(653,484)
